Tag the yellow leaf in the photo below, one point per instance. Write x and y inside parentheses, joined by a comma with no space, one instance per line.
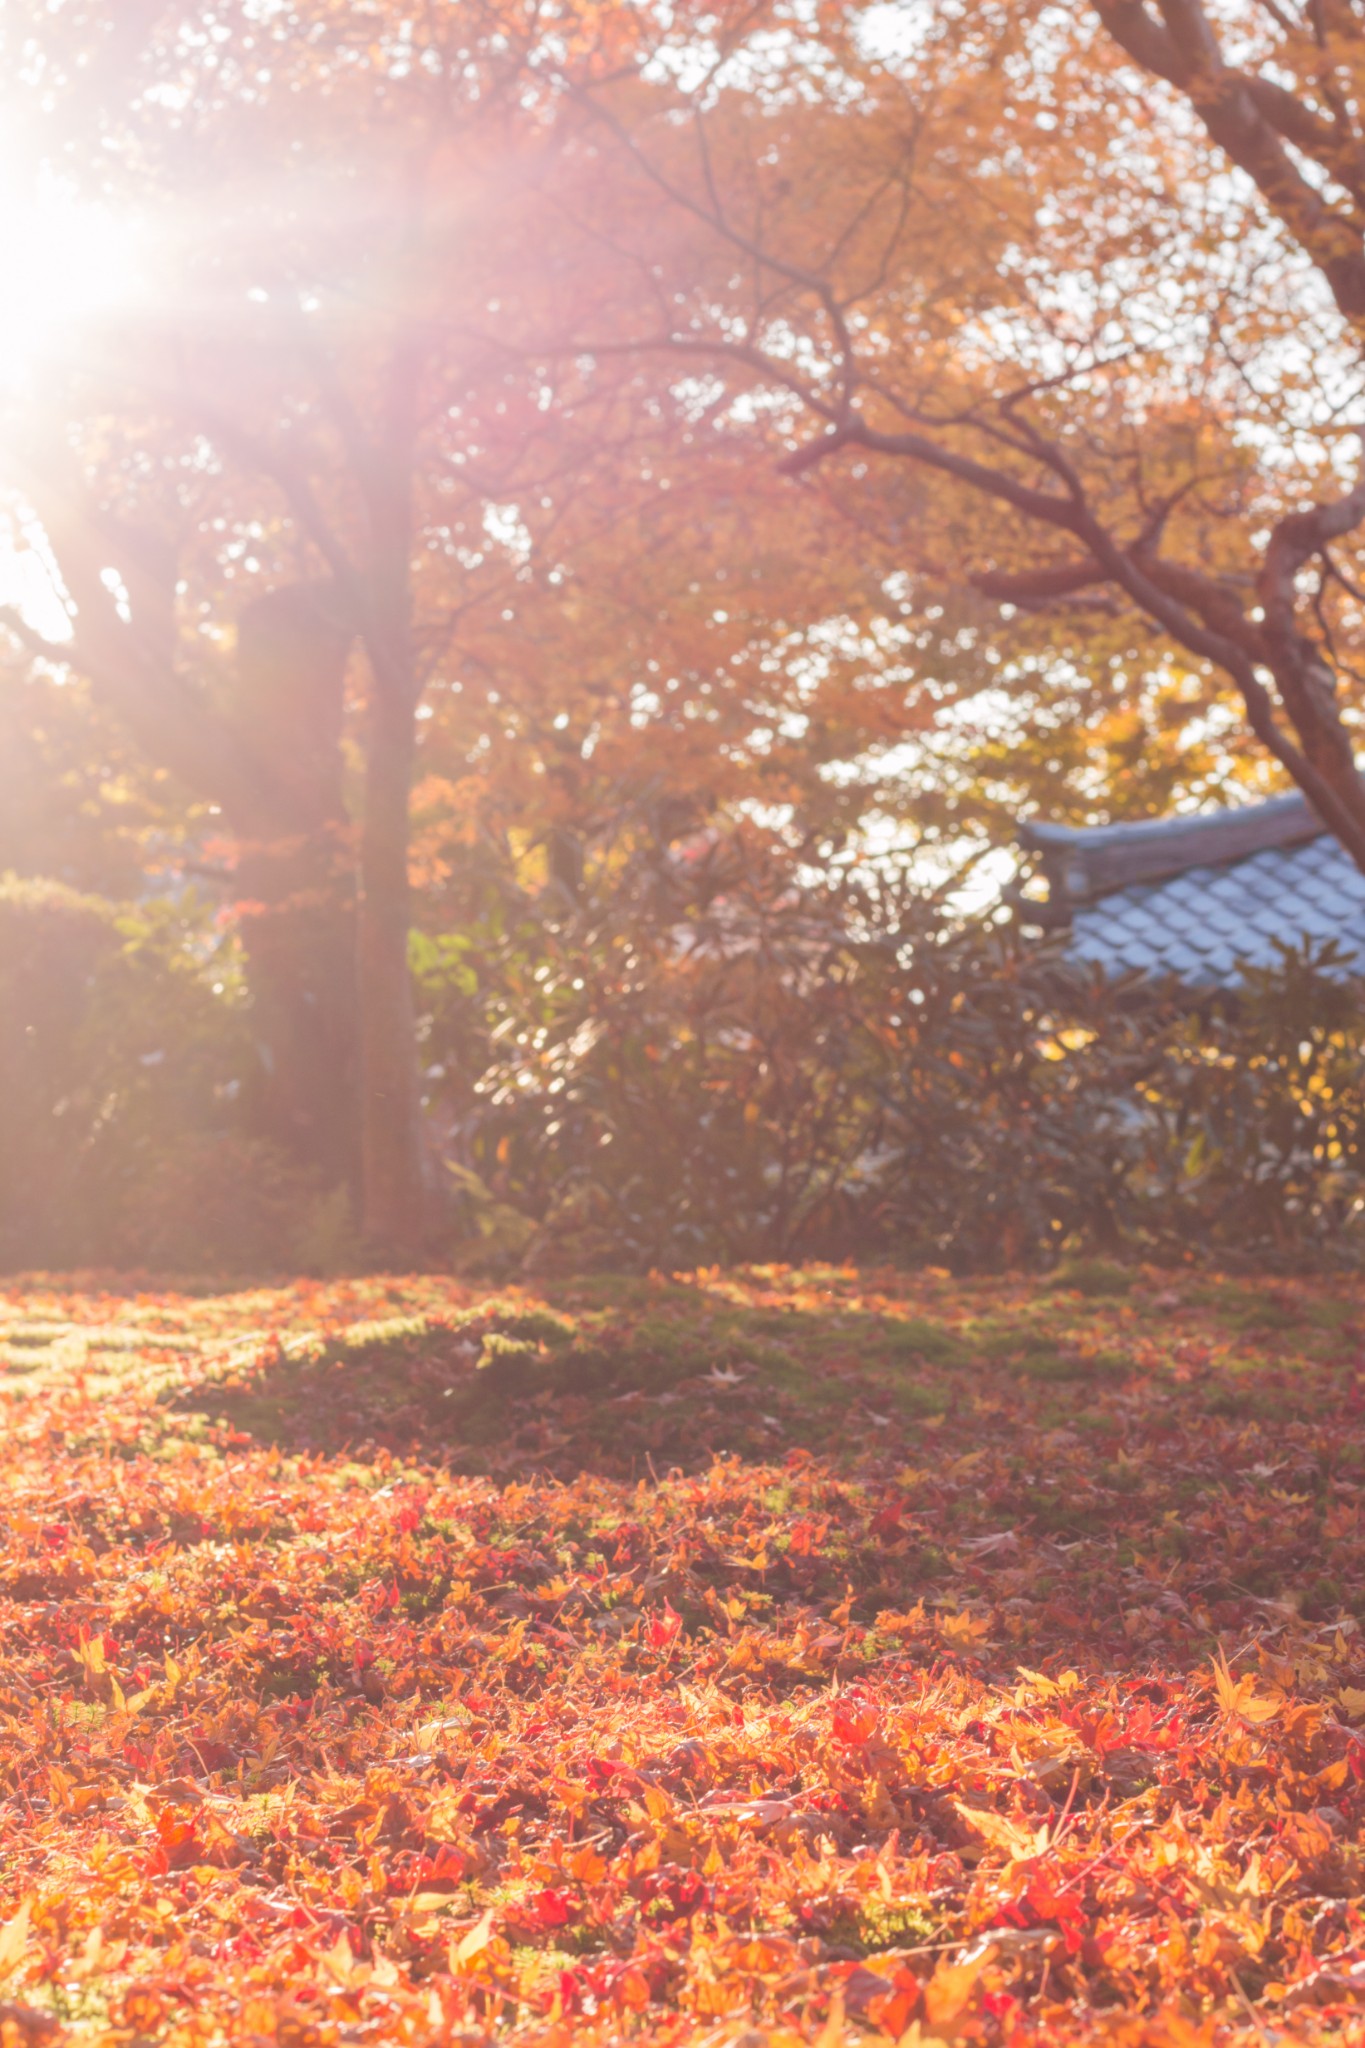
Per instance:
(952,1985)
(14,1938)
(587,1865)
(832,2034)
(511,1642)
(419,1904)
(474,1942)
(1237,1696)
(1003,1833)
(962,1628)
(714,2000)
(90,1652)
(1353,1699)
(339,1960)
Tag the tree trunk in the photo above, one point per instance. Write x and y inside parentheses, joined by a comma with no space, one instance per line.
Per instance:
(399,1206)
(397,1195)
(296,877)
(297,923)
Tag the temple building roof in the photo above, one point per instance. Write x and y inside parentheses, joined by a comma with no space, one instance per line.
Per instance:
(1202,897)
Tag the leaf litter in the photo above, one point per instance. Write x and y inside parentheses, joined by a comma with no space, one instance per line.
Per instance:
(766,1657)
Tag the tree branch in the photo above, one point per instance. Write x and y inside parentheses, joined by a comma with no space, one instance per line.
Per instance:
(1332,786)
(60,653)
(1183,49)
(133,669)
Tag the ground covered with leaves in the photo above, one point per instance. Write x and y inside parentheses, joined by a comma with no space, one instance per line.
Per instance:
(762,1658)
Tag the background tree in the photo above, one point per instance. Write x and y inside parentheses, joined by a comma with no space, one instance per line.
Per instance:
(455,470)
(1092,278)
(302,470)
(293,435)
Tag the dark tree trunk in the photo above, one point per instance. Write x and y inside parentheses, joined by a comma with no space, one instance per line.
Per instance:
(399,1209)
(298,930)
(295,875)
(397,1193)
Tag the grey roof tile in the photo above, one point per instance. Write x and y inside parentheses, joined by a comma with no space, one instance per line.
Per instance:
(1205,924)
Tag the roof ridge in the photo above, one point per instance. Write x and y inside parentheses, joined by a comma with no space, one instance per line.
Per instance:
(1083,862)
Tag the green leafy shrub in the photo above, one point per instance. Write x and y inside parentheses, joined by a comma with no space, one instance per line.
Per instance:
(126,1068)
(702,1055)
(701,1058)
(55,947)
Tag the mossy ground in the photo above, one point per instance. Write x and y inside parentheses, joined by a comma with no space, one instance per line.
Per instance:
(805,1655)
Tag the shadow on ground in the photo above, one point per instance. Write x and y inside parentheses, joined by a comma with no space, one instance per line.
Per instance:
(613,1377)
(1071,1388)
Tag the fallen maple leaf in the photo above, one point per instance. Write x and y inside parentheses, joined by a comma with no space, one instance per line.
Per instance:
(473,1942)
(855,1720)
(1238,1696)
(1002,1832)
(966,1629)
(552,1907)
(14,1938)
(952,1985)
(662,1628)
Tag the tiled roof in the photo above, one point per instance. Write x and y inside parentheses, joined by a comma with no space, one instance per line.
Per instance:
(1205,922)
(1093,860)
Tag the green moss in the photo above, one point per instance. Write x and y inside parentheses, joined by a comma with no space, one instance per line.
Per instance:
(915,1337)
(1095,1278)
(1046,1362)
(879,1924)
(535,1326)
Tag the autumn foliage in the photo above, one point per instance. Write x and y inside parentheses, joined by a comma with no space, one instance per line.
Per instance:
(585,524)
(786,1657)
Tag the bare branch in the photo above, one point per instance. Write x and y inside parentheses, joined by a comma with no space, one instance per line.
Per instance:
(1043,585)
(1048,507)
(292,481)
(811,281)
(1294,541)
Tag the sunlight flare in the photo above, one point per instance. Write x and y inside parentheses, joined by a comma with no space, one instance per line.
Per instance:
(64,265)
